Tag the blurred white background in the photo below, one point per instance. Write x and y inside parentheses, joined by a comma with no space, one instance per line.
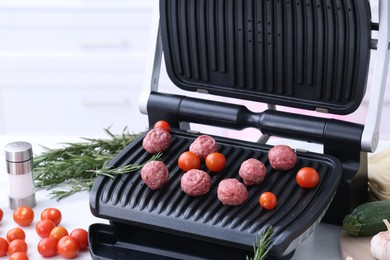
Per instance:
(74,67)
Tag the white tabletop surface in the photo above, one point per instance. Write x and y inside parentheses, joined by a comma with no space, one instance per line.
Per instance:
(323,242)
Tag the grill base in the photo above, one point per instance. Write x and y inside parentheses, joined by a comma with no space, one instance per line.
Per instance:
(122,242)
(171,215)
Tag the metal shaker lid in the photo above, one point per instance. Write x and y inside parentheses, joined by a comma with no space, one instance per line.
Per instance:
(18,152)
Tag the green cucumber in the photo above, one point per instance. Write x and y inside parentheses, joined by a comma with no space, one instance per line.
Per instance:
(367,219)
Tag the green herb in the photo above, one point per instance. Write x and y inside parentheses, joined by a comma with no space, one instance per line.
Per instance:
(74,167)
(109,172)
(262,248)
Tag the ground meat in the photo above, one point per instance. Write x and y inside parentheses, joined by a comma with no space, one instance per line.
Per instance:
(232,192)
(252,171)
(155,174)
(203,146)
(156,140)
(195,182)
(282,157)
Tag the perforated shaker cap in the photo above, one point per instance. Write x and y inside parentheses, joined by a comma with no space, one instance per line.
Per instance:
(18,152)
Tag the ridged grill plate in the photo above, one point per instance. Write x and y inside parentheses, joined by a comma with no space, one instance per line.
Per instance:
(126,199)
(311,54)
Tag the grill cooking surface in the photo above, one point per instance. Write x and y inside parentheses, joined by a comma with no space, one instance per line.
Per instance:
(126,199)
(307,54)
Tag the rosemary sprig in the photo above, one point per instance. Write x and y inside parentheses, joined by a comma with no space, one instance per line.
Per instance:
(76,166)
(262,248)
(72,188)
(109,172)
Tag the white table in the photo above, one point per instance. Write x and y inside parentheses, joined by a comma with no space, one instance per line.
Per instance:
(322,244)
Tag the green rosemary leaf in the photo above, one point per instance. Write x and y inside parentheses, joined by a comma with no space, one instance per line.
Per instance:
(76,165)
(261,250)
(123,169)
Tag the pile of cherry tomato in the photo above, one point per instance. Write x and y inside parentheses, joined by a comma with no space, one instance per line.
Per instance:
(55,239)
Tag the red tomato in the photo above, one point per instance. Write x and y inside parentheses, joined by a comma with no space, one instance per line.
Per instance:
(47,247)
(68,247)
(18,256)
(188,160)
(17,245)
(23,216)
(15,233)
(1,214)
(163,125)
(82,236)
(53,214)
(58,232)
(3,247)
(215,162)
(44,227)
(268,200)
(307,177)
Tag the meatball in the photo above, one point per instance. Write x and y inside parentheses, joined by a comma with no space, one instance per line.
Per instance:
(282,157)
(232,192)
(203,145)
(252,171)
(195,182)
(155,174)
(156,140)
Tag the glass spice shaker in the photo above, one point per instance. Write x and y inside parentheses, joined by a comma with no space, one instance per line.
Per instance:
(19,164)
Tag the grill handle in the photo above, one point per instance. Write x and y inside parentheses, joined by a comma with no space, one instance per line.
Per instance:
(177,109)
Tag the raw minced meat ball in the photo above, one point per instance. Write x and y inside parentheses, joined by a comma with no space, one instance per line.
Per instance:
(282,157)
(156,140)
(195,182)
(232,192)
(203,145)
(252,171)
(155,174)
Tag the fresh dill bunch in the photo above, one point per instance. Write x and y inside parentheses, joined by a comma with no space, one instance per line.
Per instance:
(75,166)
(262,248)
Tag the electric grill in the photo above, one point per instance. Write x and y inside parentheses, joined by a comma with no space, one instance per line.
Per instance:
(311,55)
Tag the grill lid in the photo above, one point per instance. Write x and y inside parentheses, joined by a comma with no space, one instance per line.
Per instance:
(307,54)
(126,199)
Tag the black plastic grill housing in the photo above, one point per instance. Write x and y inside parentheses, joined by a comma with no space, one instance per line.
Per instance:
(126,199)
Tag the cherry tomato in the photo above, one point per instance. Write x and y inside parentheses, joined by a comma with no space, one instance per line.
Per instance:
(44,227)
(215,162)
(23,216)
(188,160)
(68,247)
(3,247)
(17,245)
(268,200)
(53,214)
(82,237)
(1,214)
(15,233)
(18,256)
(163,125)
(58,232)
(307,177)
(47,247)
